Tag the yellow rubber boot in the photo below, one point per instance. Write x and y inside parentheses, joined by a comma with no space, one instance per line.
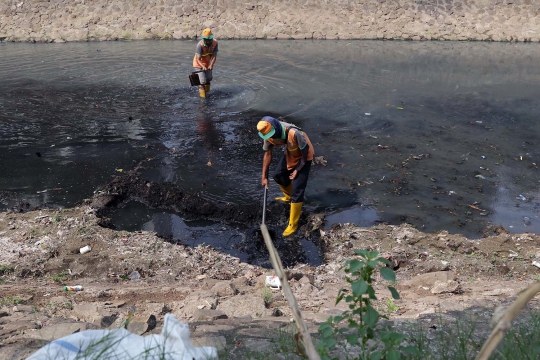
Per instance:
(286,193)
(296,210)
(207,88)
(202,92)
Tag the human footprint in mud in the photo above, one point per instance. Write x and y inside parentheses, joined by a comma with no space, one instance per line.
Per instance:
(292,171)
(204,60)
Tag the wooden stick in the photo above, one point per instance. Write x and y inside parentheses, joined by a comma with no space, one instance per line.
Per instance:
(304,335)
(506,319)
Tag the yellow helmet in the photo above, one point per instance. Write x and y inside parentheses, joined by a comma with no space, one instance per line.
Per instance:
(207,34)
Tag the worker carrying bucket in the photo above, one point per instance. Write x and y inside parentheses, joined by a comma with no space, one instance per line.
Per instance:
(293,169)
(204,60)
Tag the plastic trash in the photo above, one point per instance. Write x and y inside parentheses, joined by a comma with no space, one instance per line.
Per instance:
(85,249)
(536,263)
(172,344)
(134,275)
(273,282)
(521,197)
(73,288)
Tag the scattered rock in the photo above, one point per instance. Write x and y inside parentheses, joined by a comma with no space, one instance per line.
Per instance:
(242,305)
(219,342)
(224,289)
(86,312)
(498,292)
(141,324)
(114,304)
(23,308)
(449,286)
(57,331)
(16,327)
(429,279)
(208,315)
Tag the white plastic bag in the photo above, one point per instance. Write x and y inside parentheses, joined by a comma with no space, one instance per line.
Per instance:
(172,344)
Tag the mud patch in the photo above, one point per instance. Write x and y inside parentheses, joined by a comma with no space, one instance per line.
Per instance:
(245,240)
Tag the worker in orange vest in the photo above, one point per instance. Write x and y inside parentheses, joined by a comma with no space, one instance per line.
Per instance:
(204,60)
(293,169)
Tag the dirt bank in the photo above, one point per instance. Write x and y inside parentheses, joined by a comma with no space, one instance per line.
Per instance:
(139,275)
(90,20)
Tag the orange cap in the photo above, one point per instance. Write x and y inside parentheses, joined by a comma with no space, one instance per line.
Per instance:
(207,34)
(265,129)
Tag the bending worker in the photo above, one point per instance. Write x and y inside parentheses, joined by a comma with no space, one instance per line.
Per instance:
(204,60)
(293,169)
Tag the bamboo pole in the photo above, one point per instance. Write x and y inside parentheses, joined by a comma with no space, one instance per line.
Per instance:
(310,350)
(505,320)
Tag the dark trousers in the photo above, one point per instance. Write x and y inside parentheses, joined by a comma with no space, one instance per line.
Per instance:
(281,176)
(205,76)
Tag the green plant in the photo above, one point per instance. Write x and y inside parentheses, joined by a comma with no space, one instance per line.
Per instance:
(521,341)
(60,277)
(266,294)
(56,218)
(10,301)
(362,331)
(390,306)
(6,270)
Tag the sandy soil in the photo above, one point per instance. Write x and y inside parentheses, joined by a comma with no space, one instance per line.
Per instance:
(39,252)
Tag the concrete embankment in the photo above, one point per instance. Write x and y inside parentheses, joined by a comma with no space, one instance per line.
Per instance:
(90,20)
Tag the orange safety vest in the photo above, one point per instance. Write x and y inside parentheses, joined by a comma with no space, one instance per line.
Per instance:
(293,153)
(206,55)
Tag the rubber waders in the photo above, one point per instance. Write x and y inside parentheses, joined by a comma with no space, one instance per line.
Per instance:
(202,92)
(207,88)
(286,193)
(296,210)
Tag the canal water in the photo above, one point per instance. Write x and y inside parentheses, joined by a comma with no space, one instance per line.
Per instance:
(441,135)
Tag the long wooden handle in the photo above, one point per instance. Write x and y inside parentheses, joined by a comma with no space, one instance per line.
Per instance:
(505,320)
(311,352)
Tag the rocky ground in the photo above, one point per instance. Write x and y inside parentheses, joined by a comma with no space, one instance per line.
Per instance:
(140,276)
(63,20)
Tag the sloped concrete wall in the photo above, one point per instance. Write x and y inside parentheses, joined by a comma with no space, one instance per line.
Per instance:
(84,20)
